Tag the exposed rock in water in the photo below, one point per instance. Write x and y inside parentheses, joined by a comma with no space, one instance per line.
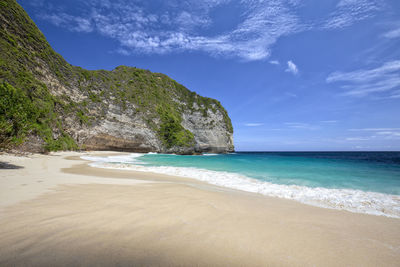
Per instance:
(47,104)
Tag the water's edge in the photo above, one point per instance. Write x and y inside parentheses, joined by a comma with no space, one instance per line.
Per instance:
(341,199)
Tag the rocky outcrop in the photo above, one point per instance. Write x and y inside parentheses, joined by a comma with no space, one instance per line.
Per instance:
(210,132)
(126,109)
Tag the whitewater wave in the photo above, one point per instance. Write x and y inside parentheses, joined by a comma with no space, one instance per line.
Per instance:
(132,158)
(342,199)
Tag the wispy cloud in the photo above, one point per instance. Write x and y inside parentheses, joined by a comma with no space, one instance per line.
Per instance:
(392,34)
(349,12)
(358,138)
(292,68)
(74,23)
(395,95)
(374,129)
(365,75)
(376,134)
(329,121)
(367,81)
(253,124)
(37,3)
(174,26)
(274,62)
(369,134)
(389,133)
(300,125)
(288,94)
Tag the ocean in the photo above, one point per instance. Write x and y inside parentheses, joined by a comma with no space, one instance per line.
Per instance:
(363,182)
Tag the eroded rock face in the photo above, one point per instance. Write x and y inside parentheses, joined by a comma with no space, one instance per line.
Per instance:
(113,127)
(209,131)
(129,132)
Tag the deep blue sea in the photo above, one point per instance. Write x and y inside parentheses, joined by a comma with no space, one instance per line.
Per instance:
(366,182)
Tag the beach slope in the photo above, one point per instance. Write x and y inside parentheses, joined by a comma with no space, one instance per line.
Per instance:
(57,211)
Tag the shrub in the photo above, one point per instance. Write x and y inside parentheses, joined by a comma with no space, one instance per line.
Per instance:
(171,131)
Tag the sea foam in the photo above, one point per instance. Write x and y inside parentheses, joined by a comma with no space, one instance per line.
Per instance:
(342,199)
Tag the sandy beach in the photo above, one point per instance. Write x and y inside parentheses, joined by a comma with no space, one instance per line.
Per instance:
(55,210)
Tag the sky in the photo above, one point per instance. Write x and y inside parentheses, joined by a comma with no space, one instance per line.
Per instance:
(294,75)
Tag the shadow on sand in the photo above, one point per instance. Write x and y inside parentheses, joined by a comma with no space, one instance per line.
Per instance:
(5,165)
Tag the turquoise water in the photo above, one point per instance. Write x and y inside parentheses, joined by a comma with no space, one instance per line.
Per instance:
(366,171)
(364,182)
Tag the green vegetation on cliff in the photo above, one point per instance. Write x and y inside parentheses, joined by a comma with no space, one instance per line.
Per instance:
(28,107)
(22,114)
(171,131)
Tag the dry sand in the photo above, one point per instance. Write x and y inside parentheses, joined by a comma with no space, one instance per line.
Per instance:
(57,211)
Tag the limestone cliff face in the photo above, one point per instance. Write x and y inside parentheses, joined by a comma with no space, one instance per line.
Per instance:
(125,109)
(211,133)
(127,131)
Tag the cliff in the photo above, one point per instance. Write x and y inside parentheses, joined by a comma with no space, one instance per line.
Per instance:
(47,104)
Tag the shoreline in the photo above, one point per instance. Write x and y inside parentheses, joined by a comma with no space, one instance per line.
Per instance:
(349,199)
(108,217)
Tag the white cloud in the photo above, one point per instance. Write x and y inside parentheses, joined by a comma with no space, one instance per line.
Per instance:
(175,26)
(253,124)
(36,3)
(349,12)
(123,52)
(300,125)
(375,129)
(392,34)
(395,95)
(274,62)
(376,134)
(365,75)
(367,81)
(358,138)
(74,23)
(292,68)
(379,135)
(389,133)
(187,20)
(174,29)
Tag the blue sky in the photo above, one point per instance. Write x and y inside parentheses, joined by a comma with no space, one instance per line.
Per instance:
(293,74)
